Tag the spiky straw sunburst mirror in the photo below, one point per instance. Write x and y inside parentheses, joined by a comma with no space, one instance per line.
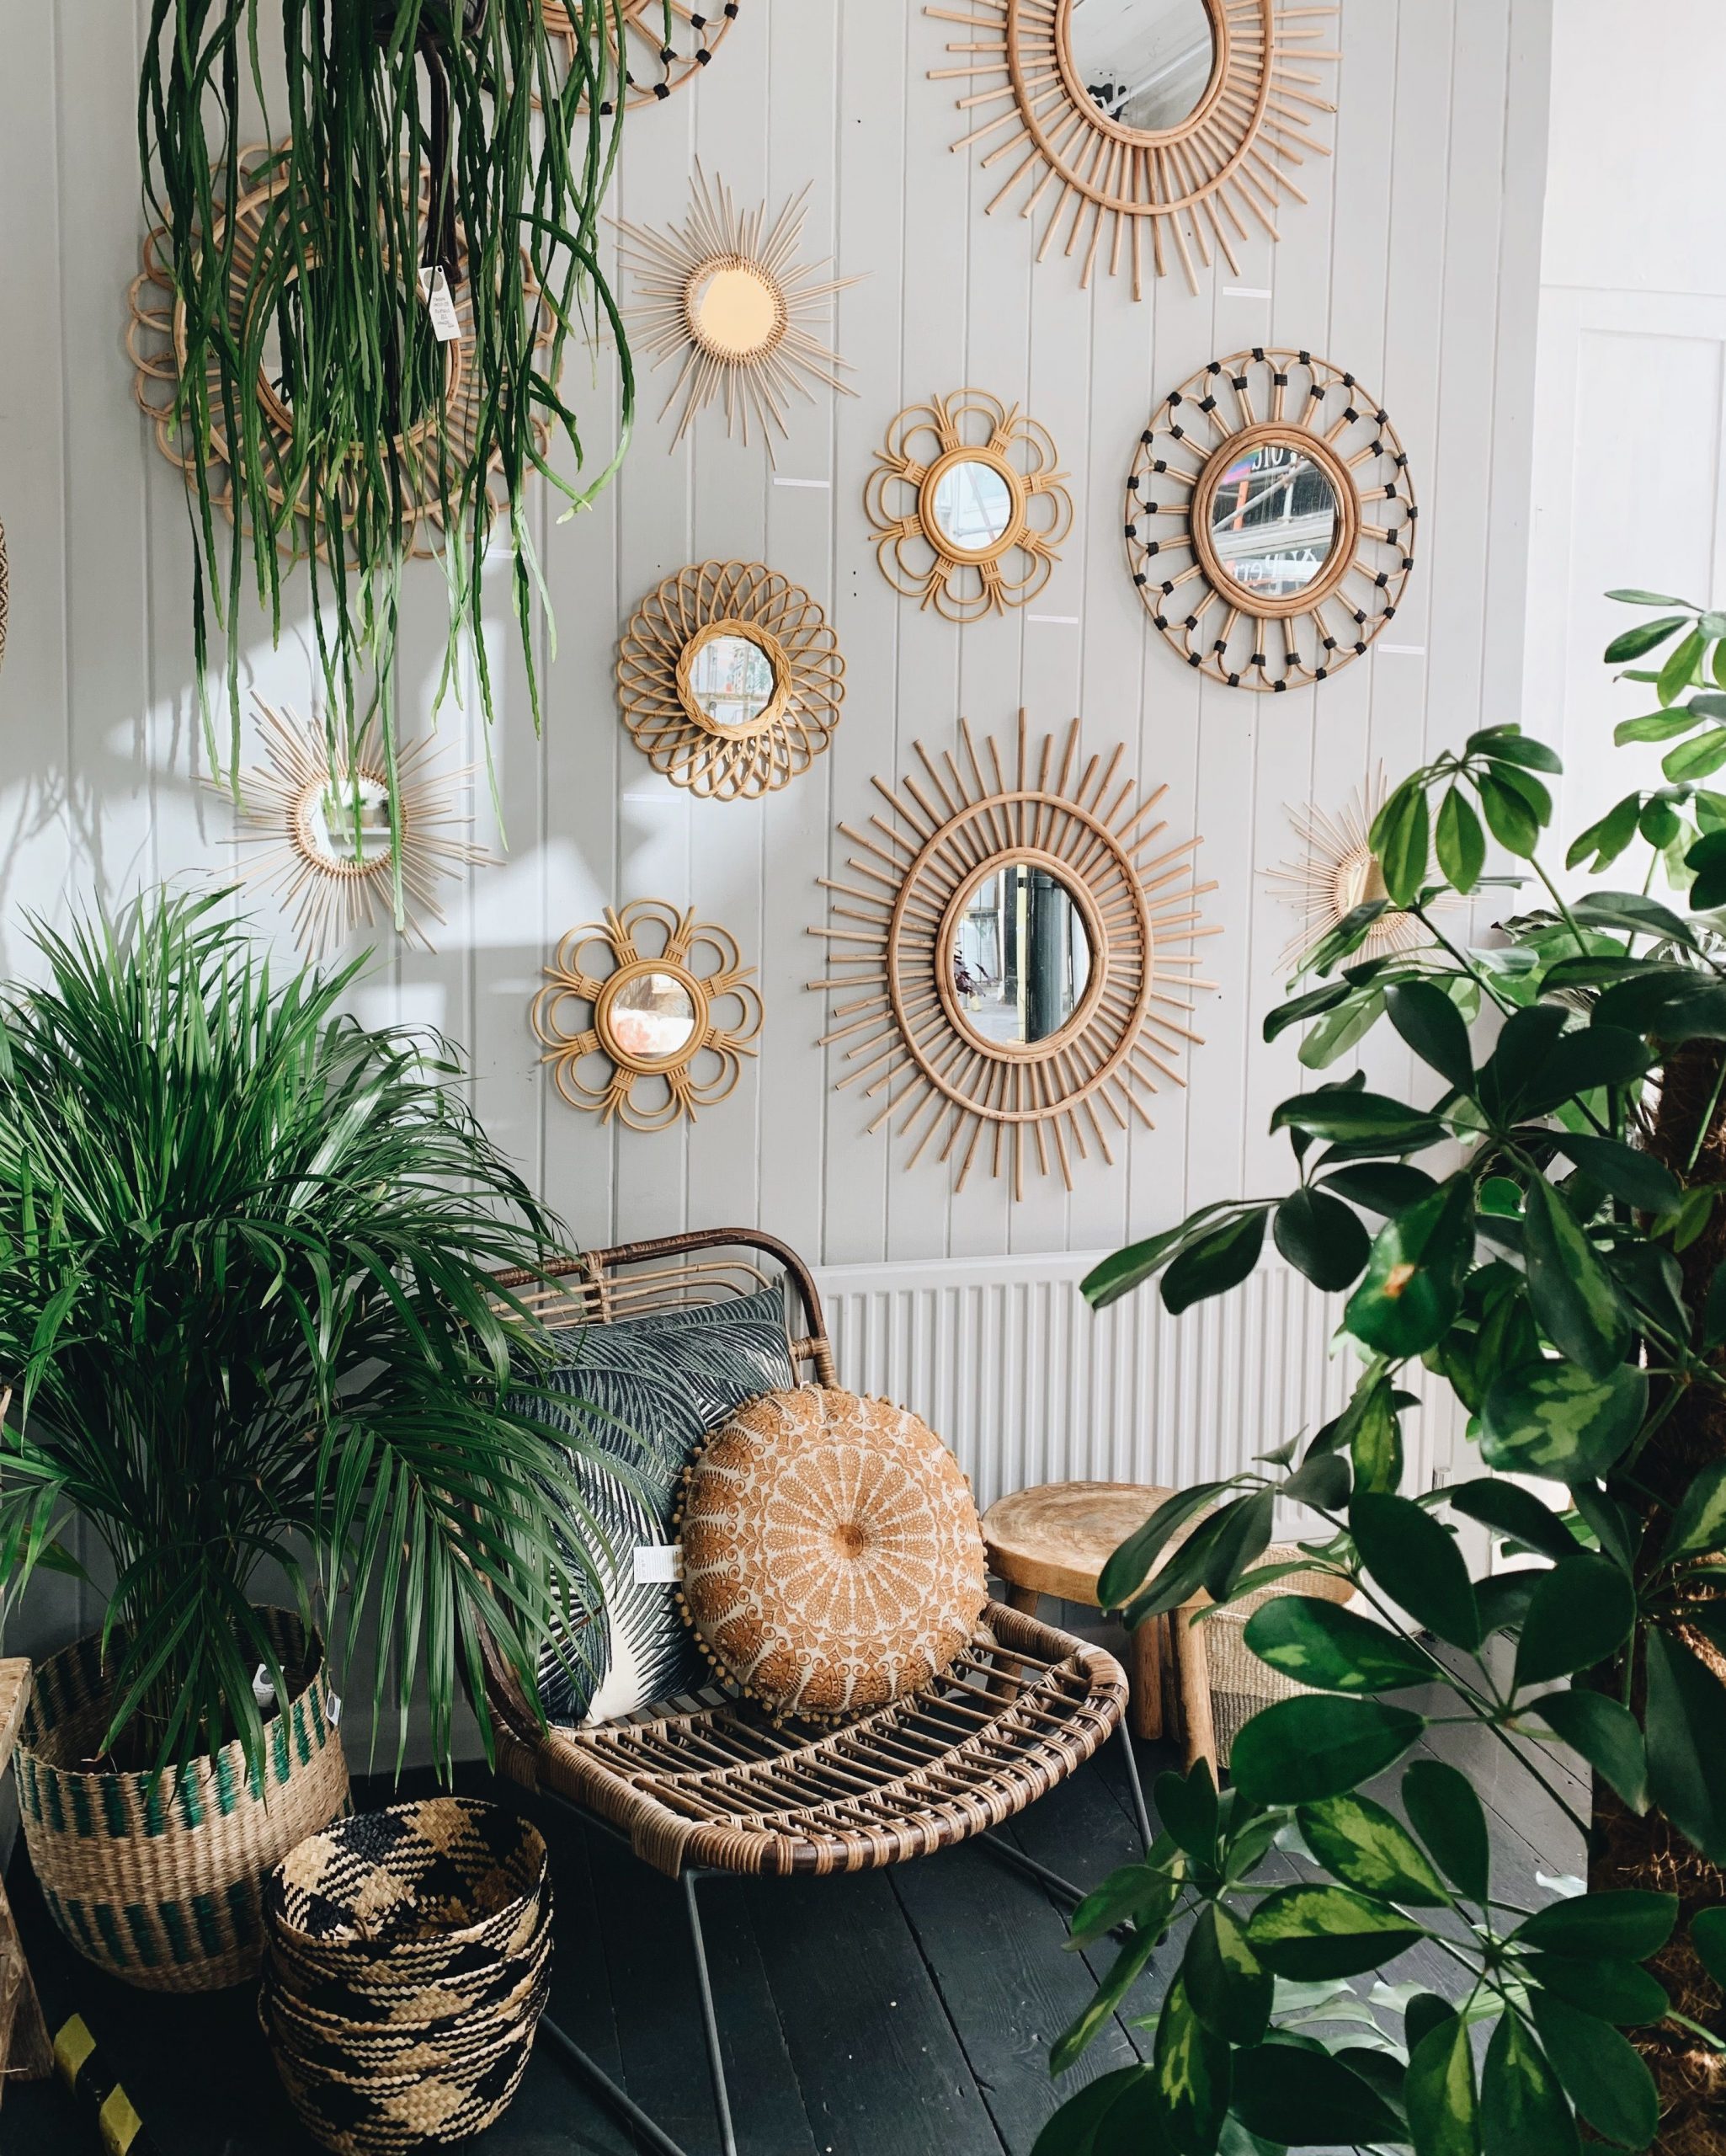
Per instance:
(652,65)
(1124,118)
(729,298)
(967,505)
(316,831)
(1269,518)
(644,1013)
(1012,964)
(1336,870)
(730,680)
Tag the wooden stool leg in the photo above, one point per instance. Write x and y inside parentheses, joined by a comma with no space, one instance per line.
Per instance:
(1145,1651)
(1195,1670)
(1024,1599)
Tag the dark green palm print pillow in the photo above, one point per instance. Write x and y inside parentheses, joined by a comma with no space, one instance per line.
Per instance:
(644,1392)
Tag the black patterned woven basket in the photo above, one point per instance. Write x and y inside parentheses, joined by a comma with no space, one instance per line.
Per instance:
(408,1964)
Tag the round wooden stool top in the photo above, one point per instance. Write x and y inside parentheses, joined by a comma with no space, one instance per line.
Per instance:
(1056,1538)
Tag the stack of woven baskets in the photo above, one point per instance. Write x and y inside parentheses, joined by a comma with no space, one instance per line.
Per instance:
(407,1966)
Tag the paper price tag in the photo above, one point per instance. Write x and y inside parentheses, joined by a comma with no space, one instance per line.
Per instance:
(262,1690)
(658,1564)
(435,286)
(333,1709)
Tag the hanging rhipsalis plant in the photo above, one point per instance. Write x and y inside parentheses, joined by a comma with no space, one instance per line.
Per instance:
(352,339)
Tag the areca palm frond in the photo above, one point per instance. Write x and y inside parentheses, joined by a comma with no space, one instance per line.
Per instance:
(247,1316)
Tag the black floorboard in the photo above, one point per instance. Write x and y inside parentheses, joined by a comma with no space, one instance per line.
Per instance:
(906,2014)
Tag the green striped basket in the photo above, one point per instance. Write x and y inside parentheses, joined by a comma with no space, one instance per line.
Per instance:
(159,1878)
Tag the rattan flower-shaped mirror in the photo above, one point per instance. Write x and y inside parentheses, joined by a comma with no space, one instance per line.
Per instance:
(646,1016)
(655,64)
(730,679)
(1269,518)
(1014,964)
(1174,118)
(968,508)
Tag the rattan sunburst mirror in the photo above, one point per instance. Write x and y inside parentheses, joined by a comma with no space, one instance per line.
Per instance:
(646,1016)
(1269,518)
(730,296)
(1122,118)
(1014,964)
(1336,870)
(730,679)
(967,505)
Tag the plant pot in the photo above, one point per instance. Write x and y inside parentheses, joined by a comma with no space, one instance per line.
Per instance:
(159,1878)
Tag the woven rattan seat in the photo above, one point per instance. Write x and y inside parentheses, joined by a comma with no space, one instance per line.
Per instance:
(725,1789)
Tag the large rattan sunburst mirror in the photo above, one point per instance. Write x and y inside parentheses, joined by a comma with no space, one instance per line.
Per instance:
(1269,518)
(1121,119)
(1010,976)
(730,679)
(648,1001)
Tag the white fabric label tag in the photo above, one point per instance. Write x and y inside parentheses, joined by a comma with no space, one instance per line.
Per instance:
(446,326)
(332,1709)
(262,1690)
(658,1564)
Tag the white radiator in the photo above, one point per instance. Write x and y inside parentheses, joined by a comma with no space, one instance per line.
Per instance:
(1006,1360)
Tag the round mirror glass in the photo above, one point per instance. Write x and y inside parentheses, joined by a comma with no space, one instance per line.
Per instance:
(1145,64)
(653,1016)
(350,823)
(732,682)
(973,505)
(1359,880)
(1273,520)
(734,309)
(1022,958)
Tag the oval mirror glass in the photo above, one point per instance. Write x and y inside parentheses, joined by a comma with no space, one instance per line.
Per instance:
(1144,64)
(1023,957)
(653,1016)
(973,505)
(1273,520)
(734,309)
(350,823)
(732,682)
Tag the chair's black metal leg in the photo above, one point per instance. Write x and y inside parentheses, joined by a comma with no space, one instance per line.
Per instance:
(715,2062)
(1135,1785)
(621,2101)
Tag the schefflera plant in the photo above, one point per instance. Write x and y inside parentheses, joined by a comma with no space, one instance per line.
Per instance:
(1560,1267)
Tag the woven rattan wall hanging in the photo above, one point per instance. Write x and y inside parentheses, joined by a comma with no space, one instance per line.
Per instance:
(654,64)
(1178,116)
(967,505)
(1269,518)
(316,831)
(1012,964)
(645,1011)
(730,680)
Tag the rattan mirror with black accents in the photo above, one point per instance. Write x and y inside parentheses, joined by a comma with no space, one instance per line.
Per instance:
(1013,973)
(1269,518)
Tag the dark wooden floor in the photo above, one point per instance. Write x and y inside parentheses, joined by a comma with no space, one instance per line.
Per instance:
(901,2014)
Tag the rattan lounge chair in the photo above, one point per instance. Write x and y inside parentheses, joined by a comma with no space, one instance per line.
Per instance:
(724,1792)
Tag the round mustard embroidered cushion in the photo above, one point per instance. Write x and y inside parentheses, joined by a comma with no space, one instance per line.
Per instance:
(832,1558)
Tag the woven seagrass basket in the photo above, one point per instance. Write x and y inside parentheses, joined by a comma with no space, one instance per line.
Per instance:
(1241,1685)
(408,1962)
(159,1878)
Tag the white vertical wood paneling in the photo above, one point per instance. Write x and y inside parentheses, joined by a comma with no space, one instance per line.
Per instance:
(1411,264)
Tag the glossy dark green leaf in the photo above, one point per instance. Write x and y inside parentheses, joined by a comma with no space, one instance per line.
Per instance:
(1583,1059)
(1230,1988)
(1402,842)
(1129,2092)
(1707,1934)
(1321,1237)
(1319,1746)
(1523,1046)
(1606,1733)
(1515,1512)
(1240,1542)
(1129,1965)
(1443,2104)
(1698,758)
(1580,1309)
(1502,1601)
(1644,637)
(1607,838)
(1129,1566)
(1186,1809)
(1686,1744)
(1310,1930)
(1381,1186)
(1417,1563)
(1632,913)
(1522,2103)
(1459,841)
(1510,745)
(1617,1990)
(1412,1288)
(1349,933)
(1675,1003)
(1120,1273)
(1375,1439)
(1193,2074)
(1622,1171)
(1533,793)
(1179,1578)
(1602,2072)
(1508,817)
(1699,1524)
(1581,1611)
(1629,595)
(1678,668)
(1626,1924)
(1344,1111)
(1214,1262)
(1432,1026)
(1360,1843)
(1446,1813)
(1659,822)
(1552,1419)
(1322,1482)
(1144,1894)
(1332,1648)
(1299,2099)
(1299,1008)
(1333,1036)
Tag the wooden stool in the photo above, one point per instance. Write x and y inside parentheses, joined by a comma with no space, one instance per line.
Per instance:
(24,2050)
(1055,1539)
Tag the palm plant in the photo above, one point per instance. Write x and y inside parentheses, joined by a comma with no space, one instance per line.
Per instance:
(246,1314)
